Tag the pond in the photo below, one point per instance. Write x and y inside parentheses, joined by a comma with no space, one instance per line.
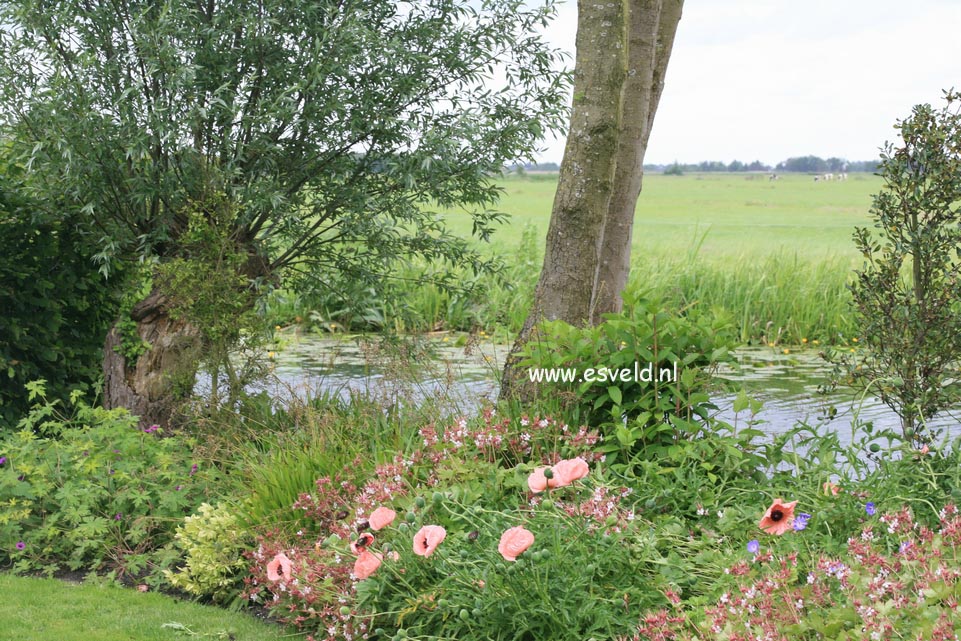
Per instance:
(790,385)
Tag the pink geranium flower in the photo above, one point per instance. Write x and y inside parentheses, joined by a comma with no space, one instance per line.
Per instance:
(282,563)
(381,518)
(427,539)
(514,541)
(779,518)
(366,564)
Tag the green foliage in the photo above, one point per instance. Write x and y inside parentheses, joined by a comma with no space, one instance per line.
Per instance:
(209,288)
(89,490)
(581,578)
(56,306)
(131,345)
(641,375)
(213,543)
(908,292)
(893,579)
(333,130)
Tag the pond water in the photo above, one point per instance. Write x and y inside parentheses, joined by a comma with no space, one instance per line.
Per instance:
(465,376)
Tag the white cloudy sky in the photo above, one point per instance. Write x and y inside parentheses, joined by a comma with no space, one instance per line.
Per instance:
(770,79)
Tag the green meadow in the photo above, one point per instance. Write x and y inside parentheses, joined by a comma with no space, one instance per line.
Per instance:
(739,215)
(775,256)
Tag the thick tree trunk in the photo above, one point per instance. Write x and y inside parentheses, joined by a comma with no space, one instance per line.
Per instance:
(155,386)
(564,290)
(651,26)
(622,54)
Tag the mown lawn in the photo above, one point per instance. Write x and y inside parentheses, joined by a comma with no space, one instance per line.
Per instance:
(51,610)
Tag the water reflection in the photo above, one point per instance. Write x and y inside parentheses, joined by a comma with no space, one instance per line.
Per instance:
(788,384)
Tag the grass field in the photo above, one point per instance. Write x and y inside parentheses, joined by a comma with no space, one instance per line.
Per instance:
(51,610)
(741,214)
(774,255)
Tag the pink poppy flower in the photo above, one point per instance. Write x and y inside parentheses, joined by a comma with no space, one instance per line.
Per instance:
(427,539)
(514,541)
(281,563)
(366,564)
(381,518)
(568,471)
(830,488)
(361,543)
(537,482)
(779,518)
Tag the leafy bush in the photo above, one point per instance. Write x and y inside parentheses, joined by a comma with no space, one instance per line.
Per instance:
(56,306)
(908,292)
(90,490)
(213,542)
(640,418)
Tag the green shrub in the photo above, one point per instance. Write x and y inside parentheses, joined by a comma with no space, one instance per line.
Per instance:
(213,542)
(89,490)
(56,306)
(640,416)
(908,292)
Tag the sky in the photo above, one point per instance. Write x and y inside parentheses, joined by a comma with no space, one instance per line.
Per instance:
(772,79)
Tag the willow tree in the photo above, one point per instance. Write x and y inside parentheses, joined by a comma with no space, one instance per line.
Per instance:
(308,138)
(623,49)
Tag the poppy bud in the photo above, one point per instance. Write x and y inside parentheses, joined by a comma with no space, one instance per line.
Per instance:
(548,473)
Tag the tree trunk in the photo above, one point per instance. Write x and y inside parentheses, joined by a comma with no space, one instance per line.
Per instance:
(622,53)
(564,290)
(156,385)
(651,26)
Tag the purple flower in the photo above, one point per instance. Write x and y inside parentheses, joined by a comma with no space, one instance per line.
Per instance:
(753,546)
(21,545)
(178,488)
(3,459)
(118,516)
(21,477)
(151,429)
(869,508)
(801,521)
(904,547)
(193,470)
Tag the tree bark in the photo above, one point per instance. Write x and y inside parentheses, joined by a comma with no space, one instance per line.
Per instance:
(564,290)
(622,53)
(651,26)
(156,385)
